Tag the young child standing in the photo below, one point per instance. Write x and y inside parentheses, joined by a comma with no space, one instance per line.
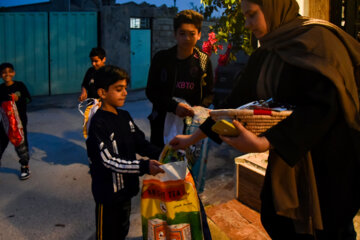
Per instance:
(98,58)
(112,144)
(18,90)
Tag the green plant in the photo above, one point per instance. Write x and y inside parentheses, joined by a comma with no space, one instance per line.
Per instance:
(230,27)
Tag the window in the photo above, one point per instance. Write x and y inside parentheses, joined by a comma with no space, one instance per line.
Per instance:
(139,23)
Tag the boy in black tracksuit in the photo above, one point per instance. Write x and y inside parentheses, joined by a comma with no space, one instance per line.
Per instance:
(22,97)
(182,71)
(114,139)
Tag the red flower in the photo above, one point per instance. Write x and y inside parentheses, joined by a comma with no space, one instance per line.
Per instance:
(207,48)
(212,38)
(210,46)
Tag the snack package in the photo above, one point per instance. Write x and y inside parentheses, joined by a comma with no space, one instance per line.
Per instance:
(91,106)
(226,128)
(169,155)
(170,207)
(11,122)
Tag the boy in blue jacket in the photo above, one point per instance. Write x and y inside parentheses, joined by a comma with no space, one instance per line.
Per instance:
(114,139)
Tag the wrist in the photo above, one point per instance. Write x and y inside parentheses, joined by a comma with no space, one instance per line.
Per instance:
(265,144)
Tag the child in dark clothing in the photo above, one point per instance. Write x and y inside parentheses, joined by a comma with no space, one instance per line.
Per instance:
(98,59)
(183,71)
(22,96)
(114,139)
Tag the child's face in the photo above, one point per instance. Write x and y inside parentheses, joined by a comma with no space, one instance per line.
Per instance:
(115,96)
(97,62)
(7,75)
(187,35)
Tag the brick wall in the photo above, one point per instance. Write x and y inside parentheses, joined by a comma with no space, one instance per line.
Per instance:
(163,34)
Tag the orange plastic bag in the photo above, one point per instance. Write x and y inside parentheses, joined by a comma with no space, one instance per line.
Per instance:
(11,122)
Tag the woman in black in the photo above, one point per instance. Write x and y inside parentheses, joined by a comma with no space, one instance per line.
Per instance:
(311,187)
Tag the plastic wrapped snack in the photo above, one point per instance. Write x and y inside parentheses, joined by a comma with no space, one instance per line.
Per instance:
(11,122)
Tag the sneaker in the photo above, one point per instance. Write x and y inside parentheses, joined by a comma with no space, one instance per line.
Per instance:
(24,172)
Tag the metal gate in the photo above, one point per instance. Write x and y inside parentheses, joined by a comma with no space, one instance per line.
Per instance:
(36,42)
(72,35)
(24,43)
(140,57)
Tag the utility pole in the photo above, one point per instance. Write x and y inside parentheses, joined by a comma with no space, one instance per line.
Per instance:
(174,3)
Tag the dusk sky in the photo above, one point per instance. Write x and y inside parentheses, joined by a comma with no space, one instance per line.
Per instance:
(181,4)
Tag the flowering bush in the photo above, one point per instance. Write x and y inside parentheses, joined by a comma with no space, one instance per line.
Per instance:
(211,45)
(230,28)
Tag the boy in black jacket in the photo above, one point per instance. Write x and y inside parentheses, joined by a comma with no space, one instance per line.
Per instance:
(22,97)
(114,139)
(183,71)
(98,58)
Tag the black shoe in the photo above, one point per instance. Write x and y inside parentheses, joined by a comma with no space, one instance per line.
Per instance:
(24,172)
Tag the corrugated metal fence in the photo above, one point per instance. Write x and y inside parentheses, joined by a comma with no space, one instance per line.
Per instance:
(49,50)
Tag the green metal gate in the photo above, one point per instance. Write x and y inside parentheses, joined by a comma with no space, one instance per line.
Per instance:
(72,35)
(140,57)
(24,43)
(36,42)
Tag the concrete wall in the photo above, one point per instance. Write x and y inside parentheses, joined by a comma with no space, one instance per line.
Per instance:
(115,29)
(163,34)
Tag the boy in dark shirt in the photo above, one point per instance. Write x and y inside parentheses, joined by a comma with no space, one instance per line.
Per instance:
(22,97)
(183,71)
(98,59)
(114,139)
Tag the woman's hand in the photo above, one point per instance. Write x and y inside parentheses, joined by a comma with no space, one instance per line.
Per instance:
(246,141)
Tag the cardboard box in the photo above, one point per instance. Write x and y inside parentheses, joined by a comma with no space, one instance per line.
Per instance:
(179,232)
(156,229)
(250,172)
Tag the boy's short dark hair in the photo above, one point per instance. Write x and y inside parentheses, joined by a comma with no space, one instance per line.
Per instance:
(97,52)
(108,75)
(188,16)
(6,65)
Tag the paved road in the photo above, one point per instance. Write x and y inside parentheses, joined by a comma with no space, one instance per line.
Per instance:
(56,202)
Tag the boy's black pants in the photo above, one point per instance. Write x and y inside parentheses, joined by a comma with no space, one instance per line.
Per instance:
(113,220)
(22,150)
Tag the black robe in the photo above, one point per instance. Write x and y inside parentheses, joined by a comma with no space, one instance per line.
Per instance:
(316,125)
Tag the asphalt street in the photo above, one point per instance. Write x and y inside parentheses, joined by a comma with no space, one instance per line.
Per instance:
(56,202)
